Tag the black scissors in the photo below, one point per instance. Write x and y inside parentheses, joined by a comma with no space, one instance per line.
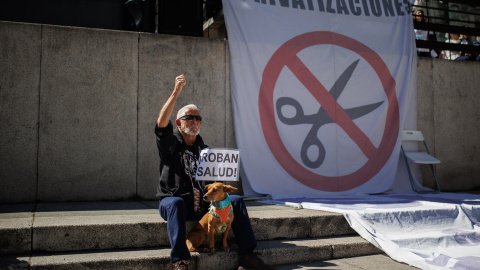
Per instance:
(321,117)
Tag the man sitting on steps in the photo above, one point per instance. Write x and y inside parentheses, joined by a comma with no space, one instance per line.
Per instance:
(181,197)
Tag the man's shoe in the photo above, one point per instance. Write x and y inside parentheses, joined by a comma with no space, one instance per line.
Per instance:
(180,265)
(252,261)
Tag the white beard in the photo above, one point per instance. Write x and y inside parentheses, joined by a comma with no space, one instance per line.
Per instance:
(187,130)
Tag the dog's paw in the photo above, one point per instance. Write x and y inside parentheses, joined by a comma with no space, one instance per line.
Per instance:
(213,250)
(226,249)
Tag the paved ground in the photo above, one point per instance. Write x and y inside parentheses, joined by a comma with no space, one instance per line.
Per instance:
(372,262)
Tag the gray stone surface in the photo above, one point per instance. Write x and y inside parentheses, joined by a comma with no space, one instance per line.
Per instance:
(79,226)
(158,259)
(425,112)
(128,259)
(279,252)
(20,56)
(371,262)
(102,232)
(16,235)
(88,114)
(131,235)
(15,228)
(457,124)
(331,224)
(93,225)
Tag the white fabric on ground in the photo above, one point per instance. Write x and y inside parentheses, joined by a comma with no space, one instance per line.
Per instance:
(428,231)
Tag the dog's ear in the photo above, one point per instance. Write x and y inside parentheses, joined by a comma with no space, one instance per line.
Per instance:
(229,189)
(206,186)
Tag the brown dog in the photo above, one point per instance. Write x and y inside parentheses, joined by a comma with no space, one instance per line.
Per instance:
(217,221)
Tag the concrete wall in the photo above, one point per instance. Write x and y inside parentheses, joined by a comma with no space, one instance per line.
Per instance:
(78,108)
(20,47)
(449,116)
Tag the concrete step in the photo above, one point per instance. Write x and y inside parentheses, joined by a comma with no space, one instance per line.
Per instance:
(131,235)
(120,225)
(273,252)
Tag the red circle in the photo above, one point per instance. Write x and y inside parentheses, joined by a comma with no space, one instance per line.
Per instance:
(280,58)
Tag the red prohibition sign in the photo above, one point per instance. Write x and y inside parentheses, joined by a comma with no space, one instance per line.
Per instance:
(286,55)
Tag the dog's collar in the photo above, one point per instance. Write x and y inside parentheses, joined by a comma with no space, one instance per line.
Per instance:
(221,204)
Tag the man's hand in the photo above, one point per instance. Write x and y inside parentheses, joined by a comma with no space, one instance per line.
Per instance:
(180,82)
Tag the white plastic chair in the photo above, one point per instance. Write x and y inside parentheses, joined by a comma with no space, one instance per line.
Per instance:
(418,157)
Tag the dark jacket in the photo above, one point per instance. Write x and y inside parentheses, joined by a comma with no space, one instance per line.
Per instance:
(178,164)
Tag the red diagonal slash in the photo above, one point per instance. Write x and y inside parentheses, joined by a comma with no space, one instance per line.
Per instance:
(334,110)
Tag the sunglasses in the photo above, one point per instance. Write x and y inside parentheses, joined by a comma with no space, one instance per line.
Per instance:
(189,117)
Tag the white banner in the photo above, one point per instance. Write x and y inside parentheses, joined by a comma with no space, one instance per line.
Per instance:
(218,165)
(320,92)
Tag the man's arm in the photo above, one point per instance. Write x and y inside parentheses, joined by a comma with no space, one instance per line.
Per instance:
(167,109)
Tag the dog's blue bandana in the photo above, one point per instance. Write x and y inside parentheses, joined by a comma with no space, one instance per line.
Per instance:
(222,204)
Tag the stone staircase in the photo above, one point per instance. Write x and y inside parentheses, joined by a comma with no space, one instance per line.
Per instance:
(131,235)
